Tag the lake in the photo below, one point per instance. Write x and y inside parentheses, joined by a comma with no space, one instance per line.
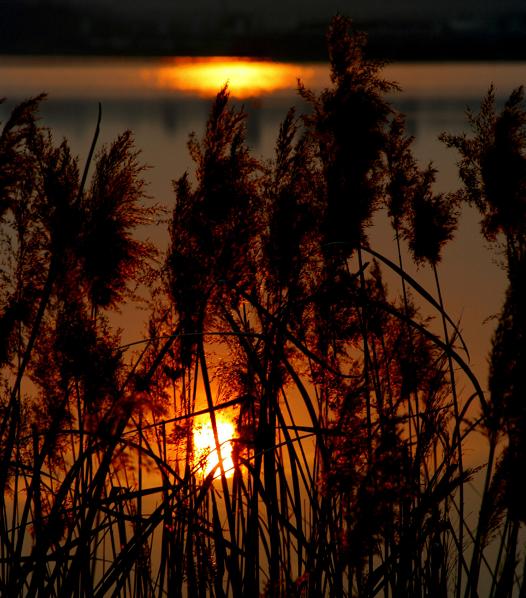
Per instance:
(163,100)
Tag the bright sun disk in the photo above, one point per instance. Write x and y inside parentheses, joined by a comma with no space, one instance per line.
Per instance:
(245,78)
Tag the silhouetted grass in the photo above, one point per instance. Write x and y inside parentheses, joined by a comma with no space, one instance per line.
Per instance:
(353,412)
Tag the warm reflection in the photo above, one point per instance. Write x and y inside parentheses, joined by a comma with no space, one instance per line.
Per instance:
(245,78)
(205,453)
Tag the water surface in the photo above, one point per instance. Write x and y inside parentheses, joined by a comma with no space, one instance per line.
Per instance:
(163,100)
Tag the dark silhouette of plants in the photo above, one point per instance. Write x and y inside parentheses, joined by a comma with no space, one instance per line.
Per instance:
(63,346)
(111,210)
(492,168)
(352,415)
(348,122)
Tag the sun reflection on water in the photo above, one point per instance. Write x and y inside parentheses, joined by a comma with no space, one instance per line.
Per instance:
(205,453)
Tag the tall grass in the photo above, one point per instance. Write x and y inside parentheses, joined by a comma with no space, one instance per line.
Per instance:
(353,412)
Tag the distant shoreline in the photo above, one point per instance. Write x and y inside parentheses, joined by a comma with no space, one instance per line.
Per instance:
(289,48)
(27,28)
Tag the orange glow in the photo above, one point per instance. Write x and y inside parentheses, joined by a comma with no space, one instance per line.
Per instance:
(245,78)
(205,453)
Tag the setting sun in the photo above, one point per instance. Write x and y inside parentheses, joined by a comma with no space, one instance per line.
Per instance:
(204,446)
(245,78)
